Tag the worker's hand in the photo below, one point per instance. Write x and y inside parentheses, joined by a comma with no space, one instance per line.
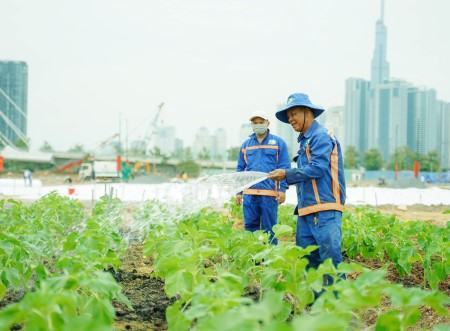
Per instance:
(239,199)
(277,175)
(281,197)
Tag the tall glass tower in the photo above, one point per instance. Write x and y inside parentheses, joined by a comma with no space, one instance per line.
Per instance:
(380,66)
(13,102)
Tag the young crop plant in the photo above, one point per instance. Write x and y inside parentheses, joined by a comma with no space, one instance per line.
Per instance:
(210,268)
(373,236)
(57,254)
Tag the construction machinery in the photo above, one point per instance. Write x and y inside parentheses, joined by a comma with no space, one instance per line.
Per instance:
(151,130)
(87,159)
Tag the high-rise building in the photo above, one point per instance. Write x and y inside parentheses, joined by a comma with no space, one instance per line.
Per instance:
(423,120)
(380,66)
(388,117)
(178,147)
(333,120)
(219,145)
(356,114)
(289,136)
(13,102)
(411,136)
(387,114)
(165,140)
(202,143)
(244,132)
(444,134)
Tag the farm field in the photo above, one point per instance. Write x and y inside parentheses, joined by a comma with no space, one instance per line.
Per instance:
(122,266)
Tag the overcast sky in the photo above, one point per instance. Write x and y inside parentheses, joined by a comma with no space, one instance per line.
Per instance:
(211,62)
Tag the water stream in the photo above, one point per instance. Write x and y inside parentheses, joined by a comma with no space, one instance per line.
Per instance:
(172,202)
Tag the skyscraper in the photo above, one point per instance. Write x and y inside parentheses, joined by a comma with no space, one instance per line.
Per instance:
(165,140)
(244,132)
(13,102)
(356,112)
(380,66)
(219,144)
(202,143)
(426,119)
(444,134)
(389,117)
(390,113)
(333,120)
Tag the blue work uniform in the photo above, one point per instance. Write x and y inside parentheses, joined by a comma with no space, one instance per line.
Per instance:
(320,193)
(260,200)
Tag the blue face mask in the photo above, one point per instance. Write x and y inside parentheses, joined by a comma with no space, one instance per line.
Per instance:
(260,129)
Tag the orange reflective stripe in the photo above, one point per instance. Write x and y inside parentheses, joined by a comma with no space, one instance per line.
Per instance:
(269,193)
(263,147)
(320,207)
(334,165)
(335,174)
(244,151)
(314,183)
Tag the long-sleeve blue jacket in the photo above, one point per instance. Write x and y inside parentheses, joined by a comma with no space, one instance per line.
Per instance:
(266,156)
(319,176)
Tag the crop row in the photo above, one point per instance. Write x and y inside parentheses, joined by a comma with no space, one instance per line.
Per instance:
(231,279)
(55,255)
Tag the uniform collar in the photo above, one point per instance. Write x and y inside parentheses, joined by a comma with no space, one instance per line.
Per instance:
(307,134)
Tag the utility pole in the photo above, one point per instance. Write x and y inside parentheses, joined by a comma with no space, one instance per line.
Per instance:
(120,133)
(126,139)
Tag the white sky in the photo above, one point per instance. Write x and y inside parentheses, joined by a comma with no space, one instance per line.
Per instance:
(211,62)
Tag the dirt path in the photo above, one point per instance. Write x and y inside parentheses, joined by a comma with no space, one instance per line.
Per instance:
(145,293)
(433,214)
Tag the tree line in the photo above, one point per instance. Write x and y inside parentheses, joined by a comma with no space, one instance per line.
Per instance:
(403,157)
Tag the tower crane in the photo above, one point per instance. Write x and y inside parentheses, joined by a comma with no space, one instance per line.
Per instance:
(151,130)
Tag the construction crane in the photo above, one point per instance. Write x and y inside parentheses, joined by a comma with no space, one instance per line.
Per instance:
(76,163)
(151,130)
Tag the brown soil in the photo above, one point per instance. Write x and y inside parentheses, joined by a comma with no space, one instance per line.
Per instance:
(429,317)
(11,297)
(145,292)
(433,214)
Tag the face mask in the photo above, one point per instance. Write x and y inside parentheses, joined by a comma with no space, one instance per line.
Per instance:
(259,129)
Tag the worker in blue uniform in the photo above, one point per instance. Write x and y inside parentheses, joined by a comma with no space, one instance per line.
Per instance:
(262,151)
(319,178)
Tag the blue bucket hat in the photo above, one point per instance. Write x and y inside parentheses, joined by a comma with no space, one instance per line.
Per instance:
(297,100)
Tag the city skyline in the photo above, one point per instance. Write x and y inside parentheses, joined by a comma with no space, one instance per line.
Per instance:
(388,113)
(105,66)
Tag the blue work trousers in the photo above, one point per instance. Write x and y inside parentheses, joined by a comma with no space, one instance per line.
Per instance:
(260,213)
(324,230)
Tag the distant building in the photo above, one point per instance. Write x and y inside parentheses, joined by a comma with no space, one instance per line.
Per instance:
(356,114)
(444,134)
(423,119)
(380,66)
(387,114)
(178,147)
(219,145)
(13,102)
(244,132)
(202,142)
(165,140)
(388,117)
(289,136)
(333,120)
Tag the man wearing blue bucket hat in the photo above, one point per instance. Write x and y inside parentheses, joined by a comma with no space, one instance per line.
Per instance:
(262,151)
(319,178)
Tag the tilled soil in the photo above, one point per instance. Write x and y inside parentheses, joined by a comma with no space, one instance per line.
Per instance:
(145,293)
(429,318)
